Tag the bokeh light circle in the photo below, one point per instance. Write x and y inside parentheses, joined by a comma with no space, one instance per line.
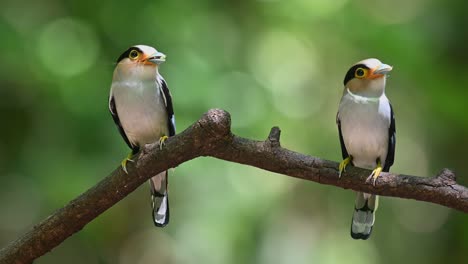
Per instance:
(67,47)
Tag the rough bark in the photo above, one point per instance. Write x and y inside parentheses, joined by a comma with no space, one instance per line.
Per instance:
(211,136)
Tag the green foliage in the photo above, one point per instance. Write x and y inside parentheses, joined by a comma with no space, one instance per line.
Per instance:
(266,62)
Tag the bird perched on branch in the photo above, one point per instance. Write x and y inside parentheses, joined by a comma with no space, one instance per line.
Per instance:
(141,106)
(367,134)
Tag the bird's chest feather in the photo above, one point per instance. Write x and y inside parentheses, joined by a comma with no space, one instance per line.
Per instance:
(141,110)
(364,126)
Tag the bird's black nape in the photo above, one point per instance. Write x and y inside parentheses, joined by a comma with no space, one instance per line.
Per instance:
(352,71)
(127,52)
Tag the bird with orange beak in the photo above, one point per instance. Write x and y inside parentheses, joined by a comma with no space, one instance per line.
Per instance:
(366,127)
(141,106)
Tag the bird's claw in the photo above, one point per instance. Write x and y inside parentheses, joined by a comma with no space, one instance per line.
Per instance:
(375,174)
(125,161)
(343,164)
(161,141)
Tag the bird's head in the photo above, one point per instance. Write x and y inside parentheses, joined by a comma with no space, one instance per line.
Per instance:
(367,78)
(139,62)
(142,55)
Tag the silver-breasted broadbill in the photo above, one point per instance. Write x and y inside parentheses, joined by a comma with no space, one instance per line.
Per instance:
(141,106)
(366,128)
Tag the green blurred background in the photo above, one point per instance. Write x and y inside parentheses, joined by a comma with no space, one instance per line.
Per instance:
(266,62)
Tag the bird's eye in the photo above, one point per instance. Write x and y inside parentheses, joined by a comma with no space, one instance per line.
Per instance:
(133,54)
(360,72)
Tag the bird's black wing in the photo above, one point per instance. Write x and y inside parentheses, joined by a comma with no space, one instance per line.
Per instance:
(391,142)
(113,111)
(169,108)
(344,152)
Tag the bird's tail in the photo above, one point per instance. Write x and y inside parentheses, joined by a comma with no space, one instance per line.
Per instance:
(364,215)
(160,199)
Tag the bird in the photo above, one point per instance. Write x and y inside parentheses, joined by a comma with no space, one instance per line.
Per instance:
(366,126)
(141,106)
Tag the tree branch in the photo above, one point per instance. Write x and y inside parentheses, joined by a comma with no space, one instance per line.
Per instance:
(211,136)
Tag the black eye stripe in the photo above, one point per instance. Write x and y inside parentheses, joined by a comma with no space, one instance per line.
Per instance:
(127,53)
(352,71)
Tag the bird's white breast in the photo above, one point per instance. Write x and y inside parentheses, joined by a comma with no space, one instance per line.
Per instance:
(365,129)
(141,110)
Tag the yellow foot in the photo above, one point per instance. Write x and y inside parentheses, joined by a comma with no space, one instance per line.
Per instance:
(375,173)
(161,141)
(343,165)
(124,162)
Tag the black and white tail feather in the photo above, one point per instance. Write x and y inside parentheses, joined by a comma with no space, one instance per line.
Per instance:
(363,216)
(160,199)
